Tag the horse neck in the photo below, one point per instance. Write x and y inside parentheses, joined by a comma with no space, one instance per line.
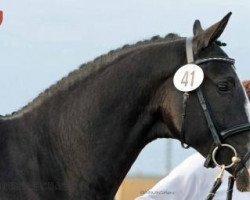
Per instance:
(116,118)
(91,134)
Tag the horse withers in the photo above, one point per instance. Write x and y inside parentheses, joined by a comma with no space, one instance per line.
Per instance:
(79,138)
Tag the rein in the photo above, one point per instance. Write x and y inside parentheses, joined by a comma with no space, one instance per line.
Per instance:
(218,137)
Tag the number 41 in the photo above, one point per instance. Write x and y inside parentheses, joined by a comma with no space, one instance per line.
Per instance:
(185,79)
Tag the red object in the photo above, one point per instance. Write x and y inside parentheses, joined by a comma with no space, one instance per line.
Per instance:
(1,17)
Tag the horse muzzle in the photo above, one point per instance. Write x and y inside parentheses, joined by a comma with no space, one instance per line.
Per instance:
(243,178)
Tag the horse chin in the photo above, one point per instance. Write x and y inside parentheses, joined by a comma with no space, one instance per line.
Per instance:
(243,180)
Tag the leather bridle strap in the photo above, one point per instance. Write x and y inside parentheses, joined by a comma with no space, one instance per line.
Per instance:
(189,50)
(219,59)
(234,130)
(184,108)
(209,120)
(242,163)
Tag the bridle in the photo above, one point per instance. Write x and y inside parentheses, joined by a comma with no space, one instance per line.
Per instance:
(218,136)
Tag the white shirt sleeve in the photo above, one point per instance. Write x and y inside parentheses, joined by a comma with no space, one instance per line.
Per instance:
(179,184)
(191,181)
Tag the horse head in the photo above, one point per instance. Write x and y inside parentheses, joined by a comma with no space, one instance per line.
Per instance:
(217,112)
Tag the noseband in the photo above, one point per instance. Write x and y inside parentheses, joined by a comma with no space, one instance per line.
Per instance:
(218,136)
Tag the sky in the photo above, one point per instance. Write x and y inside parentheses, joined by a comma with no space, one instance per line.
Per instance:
(41,41)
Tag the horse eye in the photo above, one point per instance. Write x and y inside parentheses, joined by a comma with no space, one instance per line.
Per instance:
(223,86)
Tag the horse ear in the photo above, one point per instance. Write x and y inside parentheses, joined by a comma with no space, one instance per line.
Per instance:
(197,29)
(210,35)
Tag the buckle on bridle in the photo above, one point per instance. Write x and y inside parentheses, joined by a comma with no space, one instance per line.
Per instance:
(235,158)
(218,181)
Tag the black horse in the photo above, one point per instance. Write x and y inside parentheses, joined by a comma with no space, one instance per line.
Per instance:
(79,138)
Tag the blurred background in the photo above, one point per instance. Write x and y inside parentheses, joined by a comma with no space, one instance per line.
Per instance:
(42,41)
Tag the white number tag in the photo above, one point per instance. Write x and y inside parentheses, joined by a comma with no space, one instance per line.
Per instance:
(188,77)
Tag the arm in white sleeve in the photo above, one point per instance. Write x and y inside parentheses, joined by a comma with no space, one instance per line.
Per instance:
(180,184)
